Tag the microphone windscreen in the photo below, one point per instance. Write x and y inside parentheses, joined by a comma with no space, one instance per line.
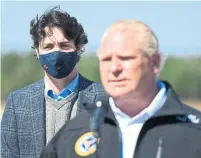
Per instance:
(97,117)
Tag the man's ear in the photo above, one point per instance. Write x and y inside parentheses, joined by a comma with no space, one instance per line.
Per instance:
(80,49)
(156,62)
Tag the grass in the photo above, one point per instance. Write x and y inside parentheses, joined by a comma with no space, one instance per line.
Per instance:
(194,103)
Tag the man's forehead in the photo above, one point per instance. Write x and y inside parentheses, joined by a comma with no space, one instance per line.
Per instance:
(117,35)
(54,39)
(106,54)
(119,40)
(53,34)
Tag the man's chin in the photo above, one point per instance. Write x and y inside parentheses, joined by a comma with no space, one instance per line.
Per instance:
(117,95)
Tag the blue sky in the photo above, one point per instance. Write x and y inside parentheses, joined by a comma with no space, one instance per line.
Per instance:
(176,24)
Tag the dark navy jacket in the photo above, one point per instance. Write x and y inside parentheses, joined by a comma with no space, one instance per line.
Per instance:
(173,132)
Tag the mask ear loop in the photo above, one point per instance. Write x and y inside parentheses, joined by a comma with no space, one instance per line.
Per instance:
(36,53)
(82,50)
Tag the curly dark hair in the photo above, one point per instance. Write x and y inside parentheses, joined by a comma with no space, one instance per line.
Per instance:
(55,17)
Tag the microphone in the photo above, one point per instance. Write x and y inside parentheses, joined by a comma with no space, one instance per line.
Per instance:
(98,115)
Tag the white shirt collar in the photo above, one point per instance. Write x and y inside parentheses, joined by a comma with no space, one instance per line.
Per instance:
(155,105)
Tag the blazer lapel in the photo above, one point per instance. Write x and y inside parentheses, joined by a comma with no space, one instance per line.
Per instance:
(85,95)
(38,115)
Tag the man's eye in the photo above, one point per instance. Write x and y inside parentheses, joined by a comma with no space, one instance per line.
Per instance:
(65,46)
(47,47)
(127,58)
(106,59)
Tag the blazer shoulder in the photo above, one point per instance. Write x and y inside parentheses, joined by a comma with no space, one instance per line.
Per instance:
(97,87)
(92,86)
(34,86)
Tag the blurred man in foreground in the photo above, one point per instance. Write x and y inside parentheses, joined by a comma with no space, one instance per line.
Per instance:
(143,117)
(34,114)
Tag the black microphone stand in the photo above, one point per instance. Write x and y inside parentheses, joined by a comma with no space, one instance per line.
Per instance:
(97,118)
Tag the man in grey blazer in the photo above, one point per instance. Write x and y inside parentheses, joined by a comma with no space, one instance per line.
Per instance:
(34,114)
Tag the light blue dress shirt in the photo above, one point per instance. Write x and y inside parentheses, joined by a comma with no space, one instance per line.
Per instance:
(65,92)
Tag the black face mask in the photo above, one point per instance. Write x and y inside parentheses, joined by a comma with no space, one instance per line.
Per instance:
(59,64)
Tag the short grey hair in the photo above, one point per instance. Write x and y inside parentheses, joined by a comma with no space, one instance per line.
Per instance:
(146,37)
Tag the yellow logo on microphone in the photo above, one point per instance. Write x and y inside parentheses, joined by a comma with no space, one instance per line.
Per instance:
(86,144)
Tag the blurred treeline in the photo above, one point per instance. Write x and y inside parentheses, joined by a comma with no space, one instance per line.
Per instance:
(18,71)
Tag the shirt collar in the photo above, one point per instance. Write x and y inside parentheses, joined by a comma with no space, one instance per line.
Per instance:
(155,105)
(72,86)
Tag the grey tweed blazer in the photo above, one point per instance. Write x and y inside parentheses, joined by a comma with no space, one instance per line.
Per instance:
(23,121)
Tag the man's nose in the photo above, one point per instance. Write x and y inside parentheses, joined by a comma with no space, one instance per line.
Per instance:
(116,66)
(56,48)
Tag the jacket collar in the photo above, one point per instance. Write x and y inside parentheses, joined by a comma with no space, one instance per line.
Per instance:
(172,105)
